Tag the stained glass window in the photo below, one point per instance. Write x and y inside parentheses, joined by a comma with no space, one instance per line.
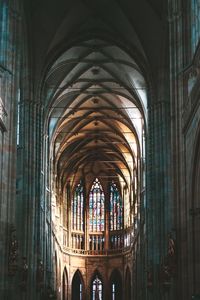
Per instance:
(97,289)
(77,208)
(96,207)
(115,208)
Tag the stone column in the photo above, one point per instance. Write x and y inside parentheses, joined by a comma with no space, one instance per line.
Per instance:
(30,208)
(179,39)
(10,61)
(158,194)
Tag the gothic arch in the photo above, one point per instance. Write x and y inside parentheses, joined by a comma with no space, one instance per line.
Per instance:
(120,113)
(116,291)
(97,275)
(65,285)
(90,186)
(96,195)
(78,287)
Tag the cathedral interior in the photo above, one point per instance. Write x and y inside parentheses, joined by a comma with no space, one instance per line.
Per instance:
(99,149)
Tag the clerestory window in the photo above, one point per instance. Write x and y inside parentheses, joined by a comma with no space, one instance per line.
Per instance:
(96,207)
(77,208)
(116,212)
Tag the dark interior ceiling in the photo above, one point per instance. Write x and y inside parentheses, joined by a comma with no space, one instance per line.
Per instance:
(139,24)
(95,60)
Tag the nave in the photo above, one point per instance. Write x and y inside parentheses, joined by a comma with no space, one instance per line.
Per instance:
(99,149)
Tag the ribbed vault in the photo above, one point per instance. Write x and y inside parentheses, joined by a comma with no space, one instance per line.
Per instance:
(95,85)
(97,100)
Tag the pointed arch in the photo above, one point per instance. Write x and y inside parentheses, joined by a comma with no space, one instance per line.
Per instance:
(78,286)
(65,285)
(115,285)
(77,208)
(128,284)
(96,286)
(115,205)
(96,207)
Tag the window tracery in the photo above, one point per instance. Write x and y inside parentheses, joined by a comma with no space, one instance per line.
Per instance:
(97,289)
(77,208)
(96,207)
(93,215)
(115,208)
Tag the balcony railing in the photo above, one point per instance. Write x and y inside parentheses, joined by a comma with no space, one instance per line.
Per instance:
(123,248)
(110,252)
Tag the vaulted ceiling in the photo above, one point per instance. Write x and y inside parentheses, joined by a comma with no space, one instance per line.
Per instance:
(94,63)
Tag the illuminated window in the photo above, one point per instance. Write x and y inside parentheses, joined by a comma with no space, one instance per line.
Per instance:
(96,207)
(113,291)
(81,291)
(77,208)
(115,208)
(97,289)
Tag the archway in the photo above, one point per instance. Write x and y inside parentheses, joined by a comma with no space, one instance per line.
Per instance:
(96,287)
(77,286)
(96,134)
(83,115)
(65,285)
(115,286)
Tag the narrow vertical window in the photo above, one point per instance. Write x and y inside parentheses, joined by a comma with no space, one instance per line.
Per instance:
(96,207)
(113,291)
(115,208)
(80,291)
(77,208)
(97,289)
